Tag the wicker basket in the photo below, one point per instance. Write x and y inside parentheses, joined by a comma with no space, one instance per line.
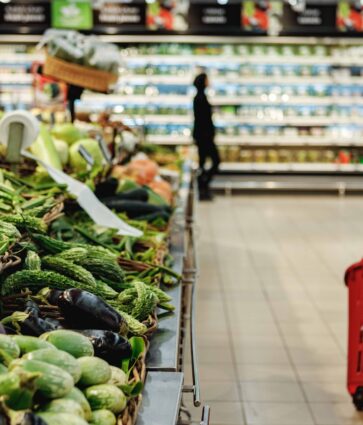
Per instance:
(129,415)
(89,78)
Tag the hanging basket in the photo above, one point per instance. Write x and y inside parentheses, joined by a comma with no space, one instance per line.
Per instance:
(88,78)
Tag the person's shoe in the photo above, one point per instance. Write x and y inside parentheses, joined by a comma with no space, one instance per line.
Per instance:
(205,196)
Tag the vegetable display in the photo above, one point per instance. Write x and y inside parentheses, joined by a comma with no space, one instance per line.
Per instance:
(79,302)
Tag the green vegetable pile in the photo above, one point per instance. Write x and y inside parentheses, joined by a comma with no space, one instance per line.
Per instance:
(57,378)
(77,301)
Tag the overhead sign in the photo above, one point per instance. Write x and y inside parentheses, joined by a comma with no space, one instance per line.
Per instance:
(72,14)
(117,16)
(318,19)
(215,17)
(24,17)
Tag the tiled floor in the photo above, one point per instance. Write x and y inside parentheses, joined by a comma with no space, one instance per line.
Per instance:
(272,308)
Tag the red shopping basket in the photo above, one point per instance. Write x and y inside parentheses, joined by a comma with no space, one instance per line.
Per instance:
(354,280)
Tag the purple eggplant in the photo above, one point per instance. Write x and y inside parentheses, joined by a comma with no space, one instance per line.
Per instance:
(108,345)
(86,310)
(36,326)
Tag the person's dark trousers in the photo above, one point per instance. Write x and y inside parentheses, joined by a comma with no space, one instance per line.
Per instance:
(207,150)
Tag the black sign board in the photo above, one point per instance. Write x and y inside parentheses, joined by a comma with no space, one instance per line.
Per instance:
(119,16)
(24,17)
(315,19)
(215,18)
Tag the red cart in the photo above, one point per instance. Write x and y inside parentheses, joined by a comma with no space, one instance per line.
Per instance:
(354,281)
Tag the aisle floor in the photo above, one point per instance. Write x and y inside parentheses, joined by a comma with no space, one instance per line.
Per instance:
(272,308)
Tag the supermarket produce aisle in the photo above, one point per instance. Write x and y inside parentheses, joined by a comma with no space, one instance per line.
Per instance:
(272,308)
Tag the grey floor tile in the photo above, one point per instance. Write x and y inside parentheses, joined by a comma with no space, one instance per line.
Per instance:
(266,373)
(335,414)
(283,392)
(277,414)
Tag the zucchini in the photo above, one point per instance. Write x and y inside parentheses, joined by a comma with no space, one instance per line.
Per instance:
(72,342)
(53,382)
(77,395)
(28,344)
(9,349)
(103,417)
(58,358)
(52,418)
(18,389)
(94,370)
(106,397)
(63,405)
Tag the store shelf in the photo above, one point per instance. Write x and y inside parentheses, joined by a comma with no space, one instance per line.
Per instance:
(19,58)
(263,140)
(241,59)
(291,167)
(187,79)
(161,399)
(339,184)
(16,78)
(119,99)
(293,141)
(292,121)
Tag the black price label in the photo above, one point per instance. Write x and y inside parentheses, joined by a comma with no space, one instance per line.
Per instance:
(24,17)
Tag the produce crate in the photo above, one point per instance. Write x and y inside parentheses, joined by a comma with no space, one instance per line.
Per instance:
(89,78)
(354,281)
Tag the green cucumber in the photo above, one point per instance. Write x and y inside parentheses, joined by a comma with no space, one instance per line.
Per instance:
(94,371)
(18,389)
(28,344)
(73,343)
(106,397)
(77,395)
(9,349)
(62,405)
(53,382)
(103,417)
(58,358)
(52,418)
(118,377)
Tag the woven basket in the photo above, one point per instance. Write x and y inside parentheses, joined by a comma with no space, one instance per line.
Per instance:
(88,78)
(8,260)
(129,415)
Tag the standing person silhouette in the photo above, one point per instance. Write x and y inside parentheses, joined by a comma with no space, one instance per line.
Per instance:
(203,134)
